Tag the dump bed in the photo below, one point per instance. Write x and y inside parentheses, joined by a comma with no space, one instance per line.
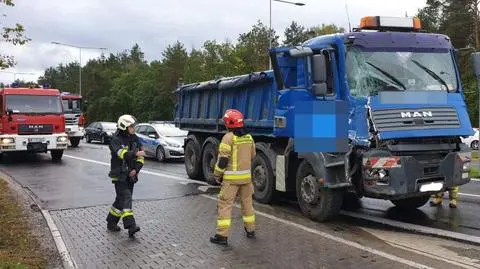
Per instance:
(200,106)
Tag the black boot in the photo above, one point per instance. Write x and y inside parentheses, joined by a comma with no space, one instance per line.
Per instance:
(249,234)
(113,227)
(132,230)
(218,239)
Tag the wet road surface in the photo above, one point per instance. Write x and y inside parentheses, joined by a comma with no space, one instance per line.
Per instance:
(80,184)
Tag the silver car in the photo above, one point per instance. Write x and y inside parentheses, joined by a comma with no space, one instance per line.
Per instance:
(161,140)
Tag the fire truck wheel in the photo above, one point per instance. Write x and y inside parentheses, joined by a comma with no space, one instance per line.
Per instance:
(57,154)
(317,203)
(74,141)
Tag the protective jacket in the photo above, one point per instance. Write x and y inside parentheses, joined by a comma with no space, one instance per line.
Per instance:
(123,149)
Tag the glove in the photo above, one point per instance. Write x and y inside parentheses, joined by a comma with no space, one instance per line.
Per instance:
(218,179)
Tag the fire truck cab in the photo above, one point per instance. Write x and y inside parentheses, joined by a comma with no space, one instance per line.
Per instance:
(32,120)
(74,118)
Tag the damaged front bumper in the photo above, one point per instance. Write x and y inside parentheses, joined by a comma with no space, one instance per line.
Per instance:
(397,177)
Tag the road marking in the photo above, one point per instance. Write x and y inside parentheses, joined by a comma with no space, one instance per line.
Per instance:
(470,195)
(475,179)
(334,238)
(144,171)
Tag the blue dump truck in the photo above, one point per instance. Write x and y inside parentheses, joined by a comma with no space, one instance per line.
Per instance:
(377,112)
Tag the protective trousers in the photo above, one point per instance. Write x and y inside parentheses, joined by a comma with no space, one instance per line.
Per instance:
(227,196)
(452,193)
(122,207)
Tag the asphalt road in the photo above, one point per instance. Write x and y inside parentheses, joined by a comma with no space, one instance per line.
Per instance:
(80,181)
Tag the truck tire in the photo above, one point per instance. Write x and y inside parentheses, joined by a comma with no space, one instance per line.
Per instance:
(209,158)
(75,141)
(317,203)
(56,154)
(411,203)
(193,161)
(263,179)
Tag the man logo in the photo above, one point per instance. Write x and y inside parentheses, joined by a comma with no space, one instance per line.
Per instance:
(416,114)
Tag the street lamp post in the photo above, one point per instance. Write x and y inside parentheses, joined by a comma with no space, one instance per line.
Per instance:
(80,61)
(270,28)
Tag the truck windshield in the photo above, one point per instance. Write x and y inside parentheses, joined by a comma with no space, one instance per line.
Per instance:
(369,72)
(72,105)
(33,104)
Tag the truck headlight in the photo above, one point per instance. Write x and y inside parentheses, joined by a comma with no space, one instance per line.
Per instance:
(62,139)
(7,140)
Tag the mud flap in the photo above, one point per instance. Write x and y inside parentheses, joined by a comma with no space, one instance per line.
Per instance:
(280,174)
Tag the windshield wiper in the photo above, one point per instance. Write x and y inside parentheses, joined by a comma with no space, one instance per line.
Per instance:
(432,74)
(388,75)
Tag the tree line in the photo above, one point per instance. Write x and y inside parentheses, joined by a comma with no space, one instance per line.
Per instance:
(125,82)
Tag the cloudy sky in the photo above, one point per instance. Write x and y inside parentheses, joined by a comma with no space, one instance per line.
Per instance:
(154,24)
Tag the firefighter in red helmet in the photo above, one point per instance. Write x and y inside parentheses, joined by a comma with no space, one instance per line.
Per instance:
(233,170)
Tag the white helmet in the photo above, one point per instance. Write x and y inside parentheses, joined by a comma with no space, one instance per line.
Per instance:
(124,121)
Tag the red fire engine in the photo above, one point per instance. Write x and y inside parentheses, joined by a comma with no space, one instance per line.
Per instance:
(74,118)
(32,120)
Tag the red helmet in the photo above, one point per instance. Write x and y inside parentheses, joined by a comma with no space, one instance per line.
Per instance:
(233,119)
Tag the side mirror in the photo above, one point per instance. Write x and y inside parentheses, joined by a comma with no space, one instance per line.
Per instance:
(476,64)
(319,75)
(300,52)
(9,111)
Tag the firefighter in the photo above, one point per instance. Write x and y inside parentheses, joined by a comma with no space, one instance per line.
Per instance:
(127,158)
(233,170)
(452,193)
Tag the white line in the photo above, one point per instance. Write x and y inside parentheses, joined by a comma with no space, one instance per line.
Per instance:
(468,194)
(143,171)
(335,238)
(415,227)
(475,179)
(68,261)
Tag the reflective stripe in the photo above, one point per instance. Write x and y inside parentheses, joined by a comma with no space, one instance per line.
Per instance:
(234,154)
(249,219)
(115,212)
(224,223)
(121,152)
(141,159)
(225,147)
(238,177)
(237,172)
(219,170)
(127,212)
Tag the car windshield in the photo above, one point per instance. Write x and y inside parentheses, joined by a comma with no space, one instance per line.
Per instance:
(72,105)
(111,126)
(369,72)
(32,104)
(170,130)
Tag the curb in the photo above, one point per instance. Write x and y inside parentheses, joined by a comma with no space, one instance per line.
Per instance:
(67,260)
(475,240)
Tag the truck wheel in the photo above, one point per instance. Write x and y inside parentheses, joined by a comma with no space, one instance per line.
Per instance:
(263,179)
(57,154)
(411,203)
(193,163)
(209,158)
(317,203)
(74,141)
(160,154)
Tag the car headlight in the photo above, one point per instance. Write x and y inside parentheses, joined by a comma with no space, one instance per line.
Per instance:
(7,140)
(109,133)
(62,139)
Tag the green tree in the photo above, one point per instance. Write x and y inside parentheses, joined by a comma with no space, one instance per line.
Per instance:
(295,34)
(11,34)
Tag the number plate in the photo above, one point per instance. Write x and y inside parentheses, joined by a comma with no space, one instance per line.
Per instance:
(434,186)
(36,140)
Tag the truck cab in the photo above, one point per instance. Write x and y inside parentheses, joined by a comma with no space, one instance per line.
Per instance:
(32,121)
(74,117)
(392,99)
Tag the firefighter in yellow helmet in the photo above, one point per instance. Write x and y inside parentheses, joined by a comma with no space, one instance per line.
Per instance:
(233,171)
(452,192)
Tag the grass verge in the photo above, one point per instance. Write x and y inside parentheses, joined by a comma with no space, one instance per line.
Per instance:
(19,247)
(474,154)
(474,173)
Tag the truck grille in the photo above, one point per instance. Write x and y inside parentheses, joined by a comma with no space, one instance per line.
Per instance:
(415,119)
(28,129)
(72,119)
